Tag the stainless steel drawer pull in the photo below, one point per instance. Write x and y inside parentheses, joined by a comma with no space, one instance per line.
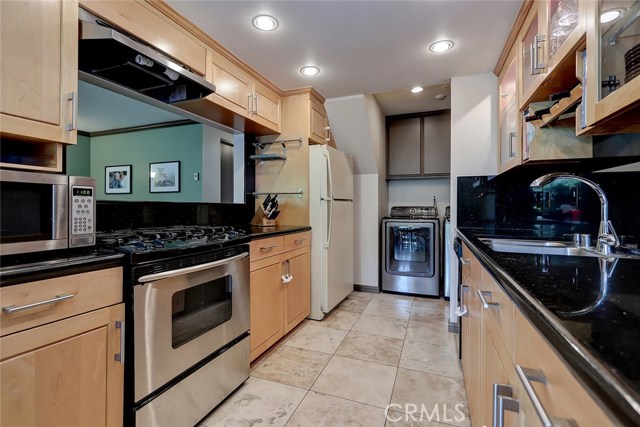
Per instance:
(462,311)
(527,375)
(485,303)
(300,240)
(464,261)
(503,401)
(59,298)
(120,356)
(268,248)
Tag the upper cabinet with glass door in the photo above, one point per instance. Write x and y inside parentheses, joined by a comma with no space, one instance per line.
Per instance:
(549,36)
(509,116)
(612,66)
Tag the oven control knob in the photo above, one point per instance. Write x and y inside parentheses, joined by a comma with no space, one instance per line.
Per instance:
(412,211)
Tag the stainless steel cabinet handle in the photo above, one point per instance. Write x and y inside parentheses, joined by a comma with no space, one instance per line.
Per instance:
(328,129)
(485,303)
(249,103)
(268,248)
(59,298)
(255,105)
(465,261)
(536,66)
(120,356)
(462,311)
(512,135)
(300,240)
(73,97)
(527,375)
(503,401)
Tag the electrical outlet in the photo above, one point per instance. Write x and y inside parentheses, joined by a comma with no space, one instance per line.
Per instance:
(196,176)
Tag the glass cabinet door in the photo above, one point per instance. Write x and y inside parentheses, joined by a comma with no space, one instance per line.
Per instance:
(509,140)
(619,44)
(564,18)
(532,52)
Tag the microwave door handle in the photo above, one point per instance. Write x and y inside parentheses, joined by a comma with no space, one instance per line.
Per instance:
(173,273)
(60,211)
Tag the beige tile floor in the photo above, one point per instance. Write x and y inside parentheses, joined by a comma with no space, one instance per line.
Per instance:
(376,360)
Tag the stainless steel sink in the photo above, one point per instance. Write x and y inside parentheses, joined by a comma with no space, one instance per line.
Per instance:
(540,247)
(552,247)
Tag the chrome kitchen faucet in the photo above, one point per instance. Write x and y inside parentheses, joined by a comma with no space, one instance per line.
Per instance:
(607,238)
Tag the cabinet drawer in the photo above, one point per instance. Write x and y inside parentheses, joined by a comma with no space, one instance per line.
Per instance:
(266,247)
(89,291)
(562,396)
(471,268)
(500,315)
(297,240)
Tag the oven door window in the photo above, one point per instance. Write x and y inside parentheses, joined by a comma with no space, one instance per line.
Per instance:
(32,217)
(410,250)
(199,309)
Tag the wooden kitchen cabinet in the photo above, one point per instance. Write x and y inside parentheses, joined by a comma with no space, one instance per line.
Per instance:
(59,367)
(277,305)
(241,93)
(610,107)
(561,396)
(419,146)
(39,80)
(304,116)
(509,144)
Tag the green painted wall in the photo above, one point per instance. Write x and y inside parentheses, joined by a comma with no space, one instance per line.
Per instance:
(138,149)
(79,157)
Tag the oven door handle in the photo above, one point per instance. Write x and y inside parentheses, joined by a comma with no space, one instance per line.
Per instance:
(167,274)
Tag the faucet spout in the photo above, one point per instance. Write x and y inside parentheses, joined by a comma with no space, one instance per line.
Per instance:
(607,237)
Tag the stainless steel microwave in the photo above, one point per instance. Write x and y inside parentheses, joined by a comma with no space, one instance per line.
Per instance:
(42,211)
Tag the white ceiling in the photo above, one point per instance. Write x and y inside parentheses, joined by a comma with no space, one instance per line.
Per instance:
(362,47)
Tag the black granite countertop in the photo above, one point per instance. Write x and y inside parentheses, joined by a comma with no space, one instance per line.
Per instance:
(591,318)
(257,232)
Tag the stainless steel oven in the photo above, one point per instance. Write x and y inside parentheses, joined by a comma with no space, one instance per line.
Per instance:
(45,211)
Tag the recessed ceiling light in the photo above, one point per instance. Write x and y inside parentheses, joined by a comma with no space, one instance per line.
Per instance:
(441,46)
(610,15)
(310,70)
(417,89)
(265,22)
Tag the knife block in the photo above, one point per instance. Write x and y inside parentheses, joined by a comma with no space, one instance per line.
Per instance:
(268,222)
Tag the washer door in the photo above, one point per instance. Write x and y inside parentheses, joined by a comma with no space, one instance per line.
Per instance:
(410,249)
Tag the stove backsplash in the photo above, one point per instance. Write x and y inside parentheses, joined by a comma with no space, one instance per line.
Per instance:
(124,215)
(562,206)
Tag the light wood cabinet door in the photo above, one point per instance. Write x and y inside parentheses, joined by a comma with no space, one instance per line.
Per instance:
(561,396)
(297,304)
(319,128)
(266,106)
(233,85)
(64,373)
(509,123)
(266,306)
(531,43)
(39,70)
(495,370)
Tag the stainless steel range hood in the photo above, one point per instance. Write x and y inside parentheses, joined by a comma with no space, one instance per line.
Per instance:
(107,57)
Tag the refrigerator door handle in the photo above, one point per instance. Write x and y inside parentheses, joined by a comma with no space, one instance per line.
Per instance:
(330,179)
(329,216)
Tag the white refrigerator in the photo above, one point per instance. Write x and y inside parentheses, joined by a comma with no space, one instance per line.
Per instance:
(331,220)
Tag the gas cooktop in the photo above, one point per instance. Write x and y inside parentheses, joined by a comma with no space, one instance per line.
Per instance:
(148,244)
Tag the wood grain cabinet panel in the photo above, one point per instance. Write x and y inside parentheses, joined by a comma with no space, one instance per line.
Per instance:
(278,306)
(64,373)
(38,71)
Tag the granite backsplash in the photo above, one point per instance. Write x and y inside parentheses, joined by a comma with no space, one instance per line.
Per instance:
(563,206)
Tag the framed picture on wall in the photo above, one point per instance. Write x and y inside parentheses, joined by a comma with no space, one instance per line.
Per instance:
(164,177)
(117,179)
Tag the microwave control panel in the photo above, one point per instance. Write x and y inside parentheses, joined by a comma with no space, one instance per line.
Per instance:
(81,220)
